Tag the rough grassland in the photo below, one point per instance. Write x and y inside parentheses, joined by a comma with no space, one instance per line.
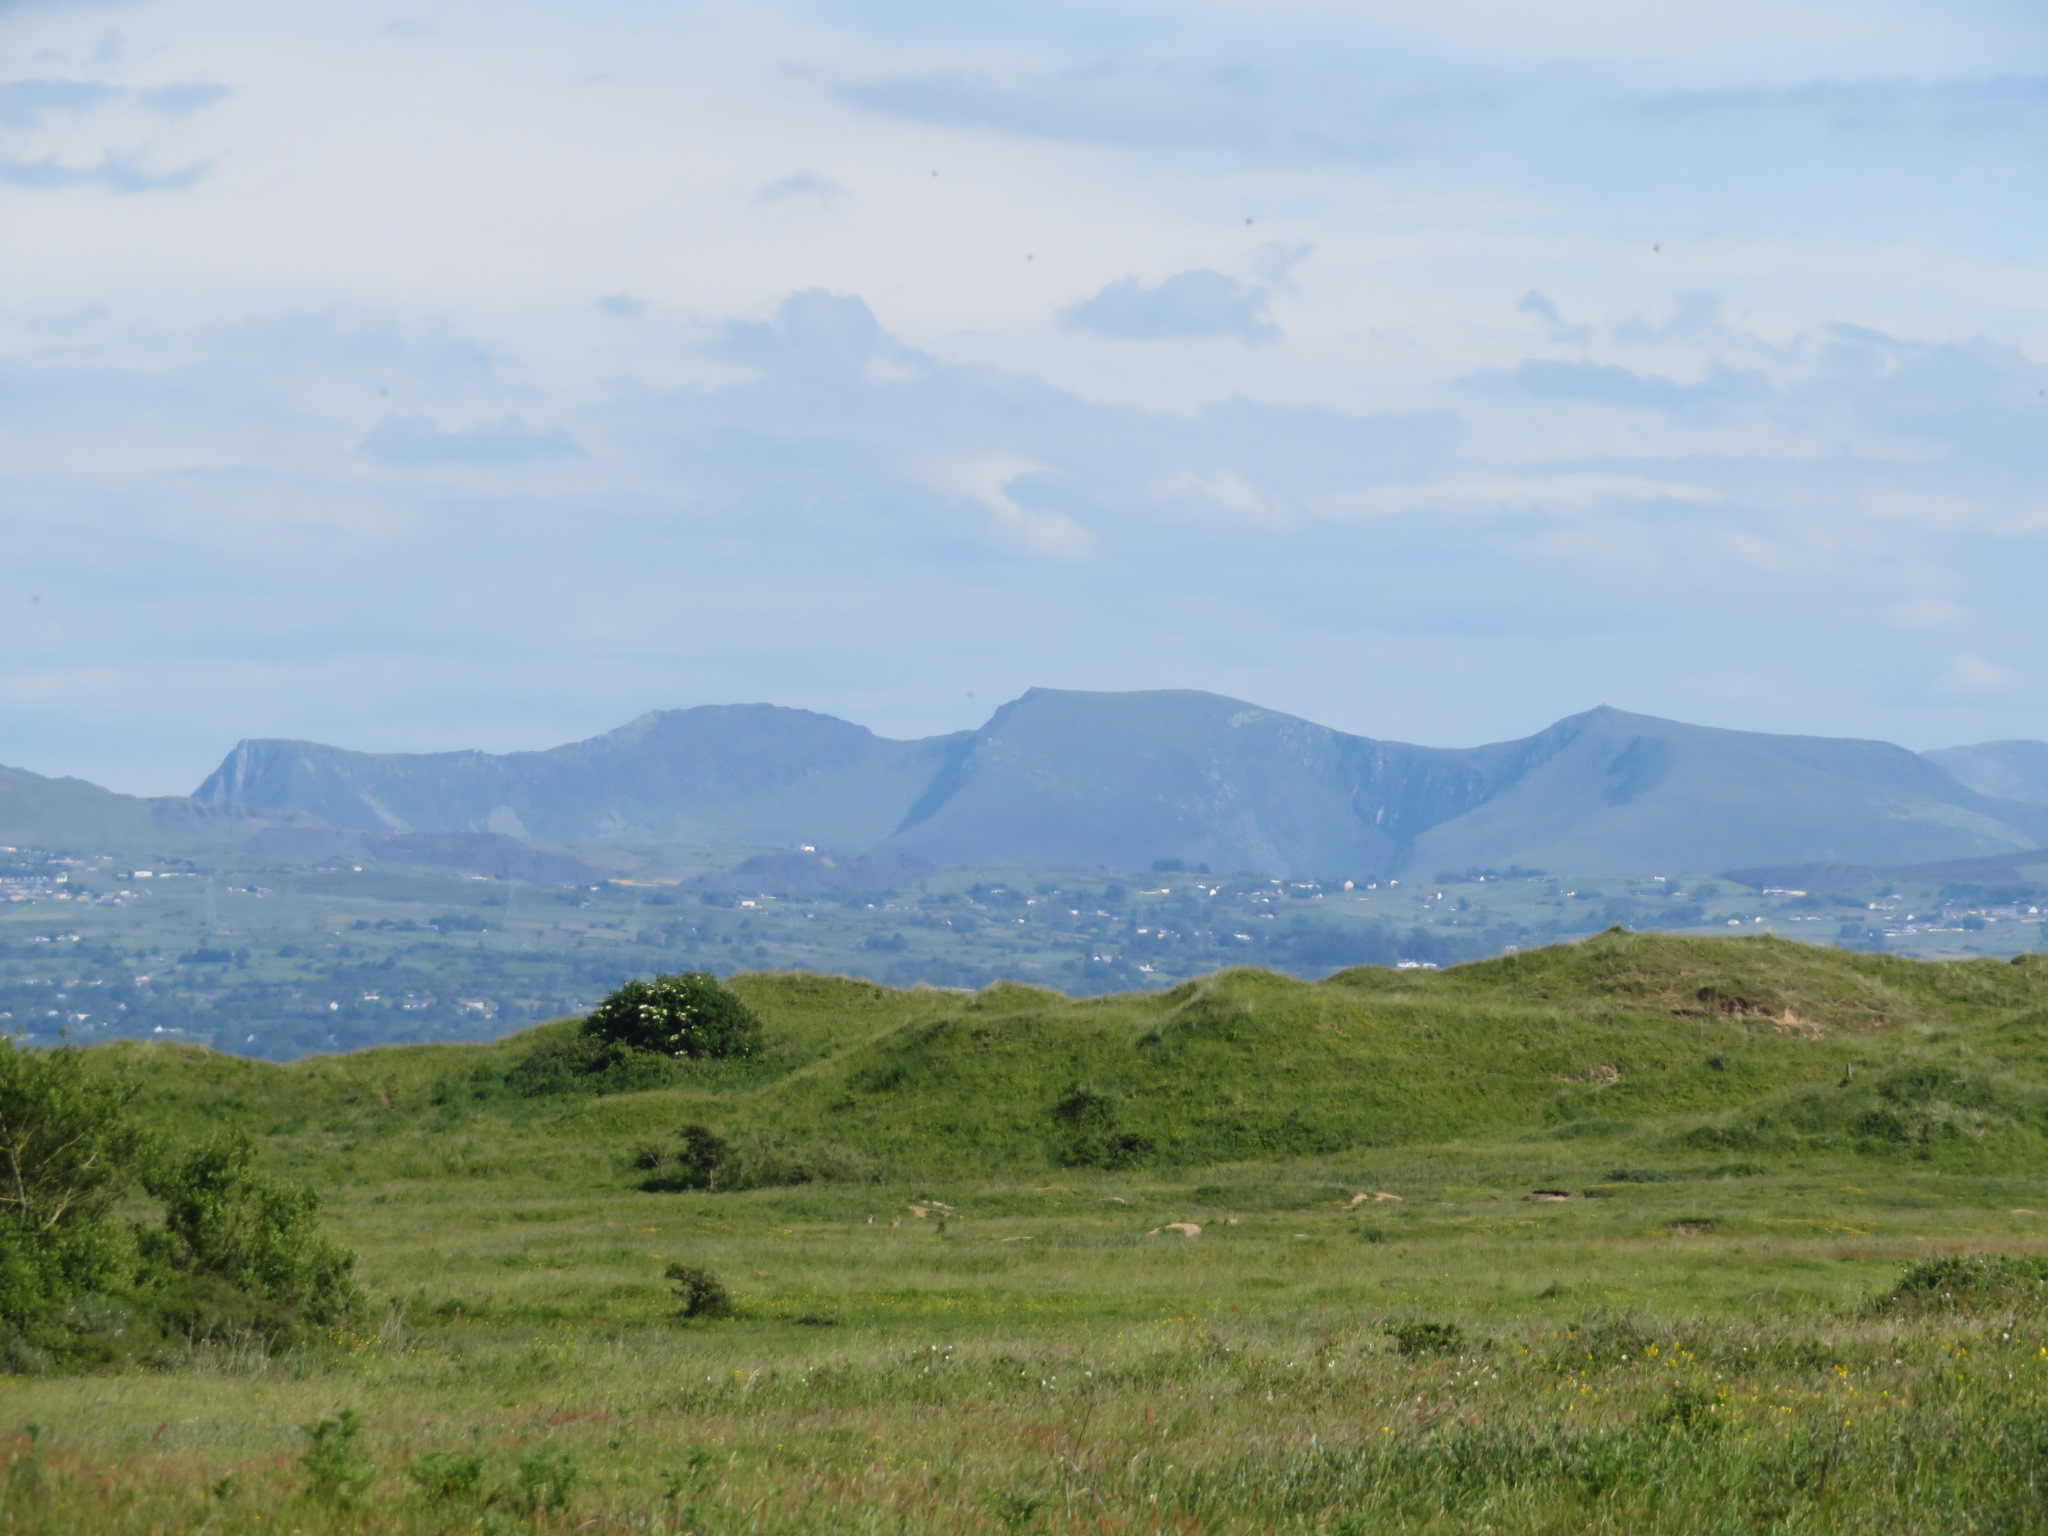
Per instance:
(1756,1140)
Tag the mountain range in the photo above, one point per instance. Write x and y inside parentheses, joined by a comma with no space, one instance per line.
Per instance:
(2004,770)
(1124,780)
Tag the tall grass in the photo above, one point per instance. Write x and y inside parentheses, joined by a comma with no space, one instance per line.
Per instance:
(1627,1425)
(1793,1284)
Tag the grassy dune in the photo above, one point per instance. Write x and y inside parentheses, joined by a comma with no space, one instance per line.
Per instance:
(1754,1140)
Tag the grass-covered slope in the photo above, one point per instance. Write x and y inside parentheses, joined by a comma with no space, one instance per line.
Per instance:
(1702,1046)
(1781,1271)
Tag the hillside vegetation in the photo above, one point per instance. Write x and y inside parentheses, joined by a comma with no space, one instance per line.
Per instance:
(1682,1045)
(1643,1234)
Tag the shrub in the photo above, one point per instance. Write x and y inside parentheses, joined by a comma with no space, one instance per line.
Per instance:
(700,1292)
(546,1479)
(226,1222)
(1082,1106)
(1115,1150)
(698,1158)
(694,1160)
(1426,1338)
(66,1146)
(701,1151)
(237,1257)
(338,1471)
(446,1478)
(756,1165)
(583,1062)
(1965,1282)
(1100,1144)
(691,1015)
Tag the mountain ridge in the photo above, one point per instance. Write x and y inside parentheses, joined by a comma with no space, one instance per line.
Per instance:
(1123,780)
(2004,770)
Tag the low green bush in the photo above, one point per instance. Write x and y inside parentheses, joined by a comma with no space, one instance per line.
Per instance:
(447,1477)
(544,1481)
(697,1158)
(68,1144)
(647,1034)
(585,1063)
(1971,1282)
(226,1222)
(692,1015)
(1426,1338)
(698,1292)
(237,1255)
(338,1470)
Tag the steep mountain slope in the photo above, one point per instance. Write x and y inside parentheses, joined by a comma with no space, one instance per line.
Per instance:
(739,773)
(1124,779)
(1623,792)
(2004,770)
(72,816)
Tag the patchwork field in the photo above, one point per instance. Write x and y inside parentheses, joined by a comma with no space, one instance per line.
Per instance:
(1655,1234)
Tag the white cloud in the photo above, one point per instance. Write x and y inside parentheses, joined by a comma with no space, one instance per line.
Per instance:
(990,483)
(1185,306)
(1927,613)
(505,375)
(1518,494)
(1221,495)
(417,440)
(1971,675)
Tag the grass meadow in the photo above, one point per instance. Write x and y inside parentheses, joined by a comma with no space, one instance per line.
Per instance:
(1676,1316)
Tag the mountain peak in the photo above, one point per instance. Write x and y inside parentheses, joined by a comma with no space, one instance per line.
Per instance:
(1125,779)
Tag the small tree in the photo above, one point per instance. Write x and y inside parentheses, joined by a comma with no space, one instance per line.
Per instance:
(701,1152)
(66,1145)
(690,1015)
(700,1292)
(225,1220)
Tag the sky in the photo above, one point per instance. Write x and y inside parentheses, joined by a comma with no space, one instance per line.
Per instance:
(419,376)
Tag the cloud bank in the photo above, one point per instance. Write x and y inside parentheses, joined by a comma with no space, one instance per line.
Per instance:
(488,382)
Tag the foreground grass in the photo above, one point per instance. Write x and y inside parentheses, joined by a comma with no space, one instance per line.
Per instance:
(1611,1362)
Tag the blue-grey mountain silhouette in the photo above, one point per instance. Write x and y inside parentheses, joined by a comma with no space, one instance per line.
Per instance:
(1124,779)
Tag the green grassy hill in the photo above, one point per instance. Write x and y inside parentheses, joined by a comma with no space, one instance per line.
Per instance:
(1700,1048)
(1118,1265)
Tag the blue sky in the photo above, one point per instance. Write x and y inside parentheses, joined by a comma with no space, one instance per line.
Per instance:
(417,376)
